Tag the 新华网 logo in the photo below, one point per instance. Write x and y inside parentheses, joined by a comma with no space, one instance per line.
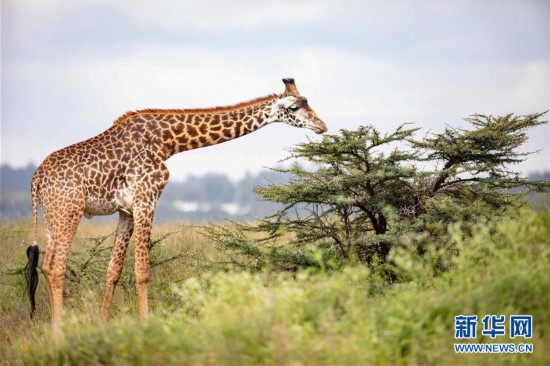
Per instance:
(493,326)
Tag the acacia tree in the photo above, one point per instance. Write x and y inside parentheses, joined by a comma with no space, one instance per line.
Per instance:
(358,200)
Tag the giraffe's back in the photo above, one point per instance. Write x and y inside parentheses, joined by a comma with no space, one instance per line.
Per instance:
(93,171)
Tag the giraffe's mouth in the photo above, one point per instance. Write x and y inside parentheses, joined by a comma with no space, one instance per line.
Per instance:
(320,128)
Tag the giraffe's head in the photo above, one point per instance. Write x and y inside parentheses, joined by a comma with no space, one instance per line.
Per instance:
(293,109)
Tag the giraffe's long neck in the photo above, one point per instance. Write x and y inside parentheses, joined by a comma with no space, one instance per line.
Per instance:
(187,129)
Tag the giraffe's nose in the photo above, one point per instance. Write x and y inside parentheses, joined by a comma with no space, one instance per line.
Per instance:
(320,127)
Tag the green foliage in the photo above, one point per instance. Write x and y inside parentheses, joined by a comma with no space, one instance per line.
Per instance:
(360,202)
(347,317)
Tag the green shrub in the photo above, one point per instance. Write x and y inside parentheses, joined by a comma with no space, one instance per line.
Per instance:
(348,317)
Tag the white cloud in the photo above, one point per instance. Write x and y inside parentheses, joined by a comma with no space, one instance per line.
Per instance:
(72,98)
(216,16)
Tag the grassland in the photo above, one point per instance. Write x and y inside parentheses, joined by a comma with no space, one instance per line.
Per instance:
(204,313)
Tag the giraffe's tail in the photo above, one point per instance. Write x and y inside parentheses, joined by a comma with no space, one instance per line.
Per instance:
(31,272)
(34,200)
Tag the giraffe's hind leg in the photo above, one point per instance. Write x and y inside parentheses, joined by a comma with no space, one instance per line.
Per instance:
(48,258)
(61,228)
(123,234)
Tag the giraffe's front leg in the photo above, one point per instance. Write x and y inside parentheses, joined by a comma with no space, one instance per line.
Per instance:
(145,192)
(143,220)
(124,231)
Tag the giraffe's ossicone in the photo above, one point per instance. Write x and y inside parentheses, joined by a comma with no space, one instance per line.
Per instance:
(122,170)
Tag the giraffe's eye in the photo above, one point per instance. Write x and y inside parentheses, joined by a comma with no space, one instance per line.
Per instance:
(293,108)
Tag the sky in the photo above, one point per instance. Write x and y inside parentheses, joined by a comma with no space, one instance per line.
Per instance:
(70,68)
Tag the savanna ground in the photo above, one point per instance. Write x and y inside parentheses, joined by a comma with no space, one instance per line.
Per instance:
(206,312)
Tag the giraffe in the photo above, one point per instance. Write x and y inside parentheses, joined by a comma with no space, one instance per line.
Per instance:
(123,170)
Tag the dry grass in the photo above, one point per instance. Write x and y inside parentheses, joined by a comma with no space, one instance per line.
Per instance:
(181,253)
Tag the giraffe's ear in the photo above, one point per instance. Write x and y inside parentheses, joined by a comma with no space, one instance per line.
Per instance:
(290,88)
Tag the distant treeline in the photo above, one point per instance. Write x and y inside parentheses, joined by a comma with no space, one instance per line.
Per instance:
(212,197)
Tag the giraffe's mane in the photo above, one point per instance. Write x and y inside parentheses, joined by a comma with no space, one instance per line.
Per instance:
(128,115)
